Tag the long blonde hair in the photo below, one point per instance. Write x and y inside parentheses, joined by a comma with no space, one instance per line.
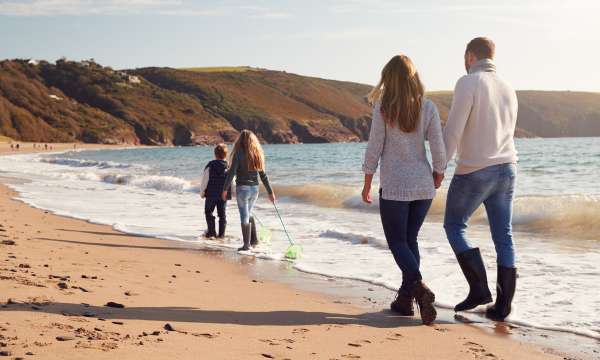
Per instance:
(401,93)
(254,153)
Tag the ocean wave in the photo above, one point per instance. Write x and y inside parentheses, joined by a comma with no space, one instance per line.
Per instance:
(90,163)
(558,216)
(156,182)
(356,239)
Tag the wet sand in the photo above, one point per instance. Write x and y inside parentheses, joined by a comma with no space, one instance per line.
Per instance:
(70,290)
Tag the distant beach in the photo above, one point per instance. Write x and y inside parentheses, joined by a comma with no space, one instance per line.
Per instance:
(162,182)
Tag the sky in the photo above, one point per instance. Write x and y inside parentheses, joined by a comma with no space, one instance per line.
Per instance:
(540,44)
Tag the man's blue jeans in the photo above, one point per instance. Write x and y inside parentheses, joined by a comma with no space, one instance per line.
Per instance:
(494,187)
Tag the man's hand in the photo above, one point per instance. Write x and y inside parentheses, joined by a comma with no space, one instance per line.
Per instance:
(366,194)
(437,179)
(224,196)
(272,197)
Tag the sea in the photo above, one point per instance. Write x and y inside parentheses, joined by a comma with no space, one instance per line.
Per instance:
(154,192)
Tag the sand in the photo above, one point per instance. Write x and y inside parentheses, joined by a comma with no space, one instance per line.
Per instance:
(186,303)
(26,147)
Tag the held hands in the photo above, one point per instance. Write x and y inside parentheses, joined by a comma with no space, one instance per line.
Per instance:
(437,179)
(224,196)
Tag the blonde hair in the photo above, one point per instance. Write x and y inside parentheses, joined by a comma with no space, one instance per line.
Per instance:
(401,93)
(254,153)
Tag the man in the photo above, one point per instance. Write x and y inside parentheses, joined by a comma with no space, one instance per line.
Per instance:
(480,130)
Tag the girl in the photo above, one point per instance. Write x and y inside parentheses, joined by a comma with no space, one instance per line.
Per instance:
(247,164)
(402,120)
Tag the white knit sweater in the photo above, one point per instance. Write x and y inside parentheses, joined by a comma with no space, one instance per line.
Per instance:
(406,174)
(481,123)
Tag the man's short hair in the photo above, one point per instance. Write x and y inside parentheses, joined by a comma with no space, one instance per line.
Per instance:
(482,48)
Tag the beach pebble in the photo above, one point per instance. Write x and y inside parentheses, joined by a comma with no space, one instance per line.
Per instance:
(29,353)
(117,322)
(5,353)
(65,338)
(89,313)
(113,304)
(24,266)
(168,327)
(62,285)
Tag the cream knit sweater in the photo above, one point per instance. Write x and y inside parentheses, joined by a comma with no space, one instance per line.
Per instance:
(405,171)
(481,123)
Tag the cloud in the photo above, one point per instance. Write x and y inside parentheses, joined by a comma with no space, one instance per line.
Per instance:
(465,6)
(34,8)
(82,7)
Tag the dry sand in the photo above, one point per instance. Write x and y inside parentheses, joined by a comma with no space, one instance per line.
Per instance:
(25,147)
(58,275)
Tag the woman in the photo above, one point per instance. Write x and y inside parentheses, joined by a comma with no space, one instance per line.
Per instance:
(247,164)
(403,119)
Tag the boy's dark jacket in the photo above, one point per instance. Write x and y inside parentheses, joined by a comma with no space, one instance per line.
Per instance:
(217,173)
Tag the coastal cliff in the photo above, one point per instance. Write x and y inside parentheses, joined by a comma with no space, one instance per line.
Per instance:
(87,102)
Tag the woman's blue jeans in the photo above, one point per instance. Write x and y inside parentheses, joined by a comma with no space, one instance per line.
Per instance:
(246,196)
(494,187)
(401,222)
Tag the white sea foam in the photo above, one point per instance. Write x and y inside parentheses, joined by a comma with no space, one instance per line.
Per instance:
(341,237)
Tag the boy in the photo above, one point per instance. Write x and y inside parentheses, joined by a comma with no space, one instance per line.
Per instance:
(213,180)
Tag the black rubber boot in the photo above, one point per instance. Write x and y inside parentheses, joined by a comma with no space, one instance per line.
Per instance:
(222,227)
(246,228)
(505,290)
(472,267)
(253,236)
(403,304)
(210,223)
(425,299)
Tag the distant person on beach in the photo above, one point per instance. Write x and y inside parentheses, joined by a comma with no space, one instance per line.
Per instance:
(247,165)
(403,119)
(480,129)
(12,147)
(17,146)
(213,180)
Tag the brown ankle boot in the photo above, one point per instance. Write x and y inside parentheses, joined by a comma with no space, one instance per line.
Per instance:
(425,299)
(403,304)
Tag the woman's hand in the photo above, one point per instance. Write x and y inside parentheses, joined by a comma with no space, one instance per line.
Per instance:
(366,194)
(272,197)
(437,179)
(224,196)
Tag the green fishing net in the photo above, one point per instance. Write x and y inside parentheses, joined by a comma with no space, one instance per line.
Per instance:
(264,235)
(293,252)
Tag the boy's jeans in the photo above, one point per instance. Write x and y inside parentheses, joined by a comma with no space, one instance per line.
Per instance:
(246,196)
(493,187)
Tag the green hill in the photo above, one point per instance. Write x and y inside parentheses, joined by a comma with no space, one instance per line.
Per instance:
(84,101)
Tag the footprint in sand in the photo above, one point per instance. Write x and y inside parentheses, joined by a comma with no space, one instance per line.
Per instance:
(479,351)
(351,356)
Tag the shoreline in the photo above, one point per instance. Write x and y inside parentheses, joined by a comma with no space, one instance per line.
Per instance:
(355,307)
